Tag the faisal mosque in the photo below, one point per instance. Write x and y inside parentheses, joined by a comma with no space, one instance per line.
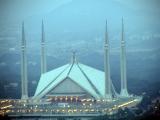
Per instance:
(75,79)
(73,89)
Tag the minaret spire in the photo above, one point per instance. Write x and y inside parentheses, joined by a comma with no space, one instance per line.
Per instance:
(24,80)
(108,94)
(124,92)
(73,59)
(73,56)
(43,53)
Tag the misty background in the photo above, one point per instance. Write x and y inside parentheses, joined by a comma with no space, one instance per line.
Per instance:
(79,25)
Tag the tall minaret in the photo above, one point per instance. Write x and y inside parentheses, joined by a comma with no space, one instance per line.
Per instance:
(43,53)
(124,92)
(24,80)
(108,94)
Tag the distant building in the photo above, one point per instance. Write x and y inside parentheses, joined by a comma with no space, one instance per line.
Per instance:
(79,80)
(72,80)
(75,80)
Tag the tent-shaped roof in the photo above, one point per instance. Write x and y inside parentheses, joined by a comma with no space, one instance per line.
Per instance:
(90,79)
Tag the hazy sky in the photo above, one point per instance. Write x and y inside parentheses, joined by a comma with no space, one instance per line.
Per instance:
(66,20)
(25,8)
(20,9)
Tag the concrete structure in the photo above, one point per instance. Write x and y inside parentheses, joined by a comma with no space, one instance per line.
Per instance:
(24,80)
(124,92)
(108,94)
(72,80)
(43,52)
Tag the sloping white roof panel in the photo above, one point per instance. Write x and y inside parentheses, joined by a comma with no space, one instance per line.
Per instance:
(78,77)
(54,82)
(96,77)
(90,79)
(48,78)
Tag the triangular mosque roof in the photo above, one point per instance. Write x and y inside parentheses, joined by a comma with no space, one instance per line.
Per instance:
(90,79)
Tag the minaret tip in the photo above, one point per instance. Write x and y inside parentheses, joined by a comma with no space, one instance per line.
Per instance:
(122,40)
(122,19)
(73,57)
(43,51)
(22,25)
(43,34)
(42,22)
(106,35)
(106,22)
(23,43)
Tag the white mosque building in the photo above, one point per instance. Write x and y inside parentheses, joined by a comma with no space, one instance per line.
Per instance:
(75,80)
(72,90)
